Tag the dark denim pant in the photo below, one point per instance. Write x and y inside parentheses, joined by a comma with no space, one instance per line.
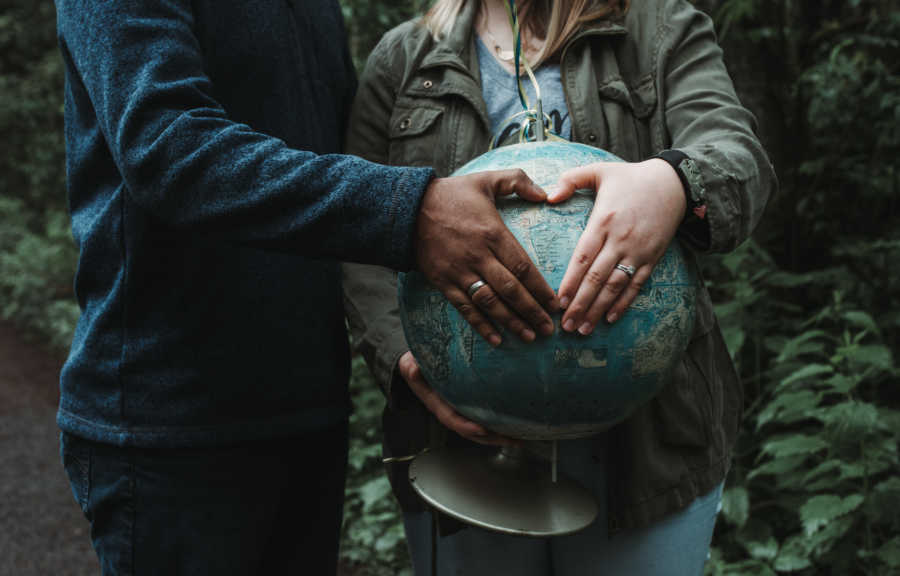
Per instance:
(263,508)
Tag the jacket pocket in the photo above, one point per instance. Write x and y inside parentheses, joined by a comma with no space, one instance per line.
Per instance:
(627,109)
(414,134)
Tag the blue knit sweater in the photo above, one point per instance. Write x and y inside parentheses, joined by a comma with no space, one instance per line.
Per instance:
(209,210)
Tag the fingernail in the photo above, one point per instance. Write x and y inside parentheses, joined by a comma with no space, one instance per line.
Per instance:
(569,325)
(547,328)
(564,302)
(612,317)
(494,340)
(585,329)
(528,335)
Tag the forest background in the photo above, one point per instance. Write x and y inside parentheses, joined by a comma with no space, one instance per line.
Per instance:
(809,305)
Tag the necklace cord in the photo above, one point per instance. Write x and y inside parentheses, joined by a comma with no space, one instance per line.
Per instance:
(535,116)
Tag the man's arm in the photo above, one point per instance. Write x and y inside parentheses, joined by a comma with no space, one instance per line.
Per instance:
(183,160)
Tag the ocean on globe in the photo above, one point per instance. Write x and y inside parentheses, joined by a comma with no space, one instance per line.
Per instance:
(566,385)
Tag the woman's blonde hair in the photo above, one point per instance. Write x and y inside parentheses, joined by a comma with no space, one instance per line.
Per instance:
(562,18)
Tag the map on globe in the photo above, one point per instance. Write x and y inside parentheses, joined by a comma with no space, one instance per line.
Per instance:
(565,385)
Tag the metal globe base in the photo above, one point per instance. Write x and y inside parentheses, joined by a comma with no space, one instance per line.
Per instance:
(506,490)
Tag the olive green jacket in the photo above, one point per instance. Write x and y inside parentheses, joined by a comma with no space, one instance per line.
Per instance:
(653,81)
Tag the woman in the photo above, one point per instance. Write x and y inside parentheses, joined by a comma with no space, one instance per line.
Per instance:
(647,83)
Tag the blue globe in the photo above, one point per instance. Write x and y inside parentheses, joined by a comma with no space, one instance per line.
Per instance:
(566,385)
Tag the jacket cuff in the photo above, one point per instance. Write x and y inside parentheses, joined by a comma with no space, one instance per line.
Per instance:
(406,199)
(695,227)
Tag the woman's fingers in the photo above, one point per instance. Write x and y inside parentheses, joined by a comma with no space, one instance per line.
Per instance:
(641,276)
(613,287)
(576,179)
(446,415)
(591,243)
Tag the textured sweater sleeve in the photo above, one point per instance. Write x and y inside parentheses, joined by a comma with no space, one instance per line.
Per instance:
(727,165)
(182,159)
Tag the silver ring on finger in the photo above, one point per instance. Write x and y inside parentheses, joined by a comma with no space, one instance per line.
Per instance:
(627,269)
(475,287)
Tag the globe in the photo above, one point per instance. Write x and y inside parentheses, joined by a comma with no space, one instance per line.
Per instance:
(566,385)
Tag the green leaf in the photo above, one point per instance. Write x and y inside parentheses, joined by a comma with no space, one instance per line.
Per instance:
(790,406)
(818,511)
(783,279)
(810,371)
(778,466)
(875,355)
(736,505)
(795,346)
(390,539)
(373,492)
(850,418)
(843,383)
(889,552)
(862,319)
(794,444)
(793,556)
(745,568)
(757,539)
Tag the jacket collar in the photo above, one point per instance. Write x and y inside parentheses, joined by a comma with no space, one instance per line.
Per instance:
(455,49)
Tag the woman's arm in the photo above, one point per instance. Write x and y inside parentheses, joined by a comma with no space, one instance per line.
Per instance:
(706,121)
(724,165)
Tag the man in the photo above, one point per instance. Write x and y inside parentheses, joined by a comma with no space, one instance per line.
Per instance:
(204,404)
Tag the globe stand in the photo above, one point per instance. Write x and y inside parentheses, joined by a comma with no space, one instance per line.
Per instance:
(507,491)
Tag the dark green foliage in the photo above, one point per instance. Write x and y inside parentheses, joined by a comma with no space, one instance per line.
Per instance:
(810,310)
(373,538)
(37,256)
(367,20)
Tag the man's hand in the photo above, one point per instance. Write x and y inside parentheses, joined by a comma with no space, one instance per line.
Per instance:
(461,239)
(636,213)
(446,415)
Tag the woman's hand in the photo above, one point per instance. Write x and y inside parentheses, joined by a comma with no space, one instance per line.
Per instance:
(636,212)
(445,413)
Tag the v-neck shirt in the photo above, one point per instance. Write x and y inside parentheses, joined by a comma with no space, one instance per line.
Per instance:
(501,95)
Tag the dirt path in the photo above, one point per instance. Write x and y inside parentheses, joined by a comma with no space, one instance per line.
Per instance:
(42,531)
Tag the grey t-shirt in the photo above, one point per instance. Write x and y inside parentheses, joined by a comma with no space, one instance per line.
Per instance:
(502,96)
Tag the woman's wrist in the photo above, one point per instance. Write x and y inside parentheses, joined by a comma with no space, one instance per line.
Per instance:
(686,170)
(669,186)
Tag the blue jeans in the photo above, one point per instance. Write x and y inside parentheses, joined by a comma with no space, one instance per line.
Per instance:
(263,508)
(676,545)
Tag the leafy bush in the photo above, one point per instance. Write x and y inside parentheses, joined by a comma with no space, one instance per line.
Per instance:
(373,537)
(37,255)
(811,315)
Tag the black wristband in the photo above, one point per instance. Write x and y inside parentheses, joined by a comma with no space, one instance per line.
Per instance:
(681,163)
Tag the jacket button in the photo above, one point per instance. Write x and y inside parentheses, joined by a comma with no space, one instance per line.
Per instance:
(404,124)
(427,84)
(592,137)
